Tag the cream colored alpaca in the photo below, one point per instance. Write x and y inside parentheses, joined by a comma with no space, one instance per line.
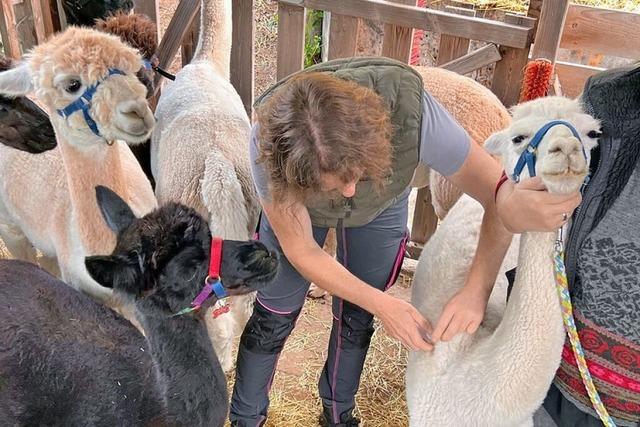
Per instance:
(200,154)
(474,107)
(47,200)
(500,375)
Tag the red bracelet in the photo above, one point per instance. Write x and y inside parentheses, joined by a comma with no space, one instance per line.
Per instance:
(503,178)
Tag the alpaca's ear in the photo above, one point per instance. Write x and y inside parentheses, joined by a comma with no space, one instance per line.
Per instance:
(115,211)
(17,81)
(495,144)
(113,272)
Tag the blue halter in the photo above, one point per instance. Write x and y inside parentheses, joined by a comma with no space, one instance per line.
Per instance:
(528,156)
(84,102)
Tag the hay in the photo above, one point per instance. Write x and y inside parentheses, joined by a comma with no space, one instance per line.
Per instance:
(294,395)
(4,253)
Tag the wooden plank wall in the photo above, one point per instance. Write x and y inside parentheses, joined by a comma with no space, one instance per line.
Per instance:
(605,31)
(550,27)
(10,39)
(149,8)
(343,36)
(508,73)
(427,19)
(397,40)
(242,52)
(291,21)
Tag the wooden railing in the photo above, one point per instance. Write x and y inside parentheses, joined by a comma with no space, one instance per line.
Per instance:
(598,32)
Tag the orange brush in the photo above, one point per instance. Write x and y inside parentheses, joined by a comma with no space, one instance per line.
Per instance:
(537,79)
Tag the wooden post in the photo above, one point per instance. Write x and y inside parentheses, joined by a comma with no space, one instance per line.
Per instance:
(397,40)
(343,36)
(535,7)
(61,15)
(551,23)
(149,8)
(291,21)
(10,40)
(180,23)
(242,52)
(509,72)
(50,18)
(452,47)
(24,24)
(190,42)
(38,20)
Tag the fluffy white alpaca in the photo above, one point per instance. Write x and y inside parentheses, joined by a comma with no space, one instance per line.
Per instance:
(500,375)
(200,153)
(47,200)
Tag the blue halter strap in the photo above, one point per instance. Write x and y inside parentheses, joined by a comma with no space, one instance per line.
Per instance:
(528,156)
(84,102)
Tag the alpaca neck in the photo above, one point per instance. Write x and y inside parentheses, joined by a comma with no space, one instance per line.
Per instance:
(528,342)
(214,43)
(190,380)
(86,167)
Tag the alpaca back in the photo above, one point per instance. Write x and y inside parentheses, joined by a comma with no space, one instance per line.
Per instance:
(202,140)
(68,359)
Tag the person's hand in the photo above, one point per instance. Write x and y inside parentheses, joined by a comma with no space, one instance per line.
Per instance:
(463,313)
(527,206)
(402,321)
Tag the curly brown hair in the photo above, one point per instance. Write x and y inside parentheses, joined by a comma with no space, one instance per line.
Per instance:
(317,123)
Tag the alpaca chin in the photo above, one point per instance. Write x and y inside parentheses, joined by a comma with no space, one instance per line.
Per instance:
(563,184)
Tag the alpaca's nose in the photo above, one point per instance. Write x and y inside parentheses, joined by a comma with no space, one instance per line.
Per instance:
(135,117)
(565,145)
(133,109)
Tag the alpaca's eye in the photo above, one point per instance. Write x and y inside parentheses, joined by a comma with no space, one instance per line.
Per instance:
(595,134)
(518,139)
(73,86)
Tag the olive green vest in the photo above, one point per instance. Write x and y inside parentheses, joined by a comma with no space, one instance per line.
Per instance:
(401,88)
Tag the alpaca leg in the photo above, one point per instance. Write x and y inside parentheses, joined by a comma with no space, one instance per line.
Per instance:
(221,334)
(224,330)
(17,243)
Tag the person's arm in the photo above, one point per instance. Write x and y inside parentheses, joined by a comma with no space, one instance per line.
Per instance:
(465,310)
(293,229)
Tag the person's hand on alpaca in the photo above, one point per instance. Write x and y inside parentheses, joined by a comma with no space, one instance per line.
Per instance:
(463,313)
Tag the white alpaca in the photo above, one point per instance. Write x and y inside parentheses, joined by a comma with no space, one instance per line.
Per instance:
(47,201)
(200,153)
(500,375)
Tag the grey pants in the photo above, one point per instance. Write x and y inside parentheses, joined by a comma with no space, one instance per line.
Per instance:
(374,254)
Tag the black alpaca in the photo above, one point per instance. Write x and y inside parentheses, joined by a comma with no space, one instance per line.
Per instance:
(68,361)
(84,12)
(23,125)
